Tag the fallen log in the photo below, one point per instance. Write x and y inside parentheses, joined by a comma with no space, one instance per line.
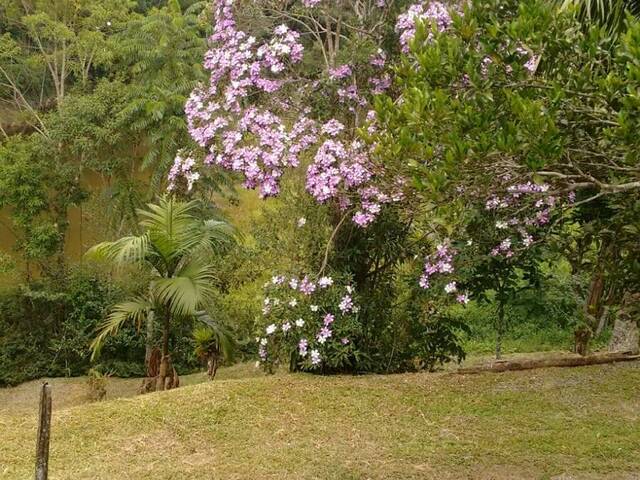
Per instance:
(530,364)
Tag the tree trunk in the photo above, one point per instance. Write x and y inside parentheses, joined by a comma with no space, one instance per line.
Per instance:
(499,330)
(602,322)
(569,361)
(593,305)
(164,364)
(582,337)
(212,366)
(626,337)
(149,340)
(152,382)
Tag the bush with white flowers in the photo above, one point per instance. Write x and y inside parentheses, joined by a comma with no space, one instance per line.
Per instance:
(312,324)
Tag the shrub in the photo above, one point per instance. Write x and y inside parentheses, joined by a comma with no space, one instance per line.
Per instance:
(46,329)
(312,326)
(97,385)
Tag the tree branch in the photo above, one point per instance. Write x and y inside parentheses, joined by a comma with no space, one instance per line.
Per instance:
(330,242)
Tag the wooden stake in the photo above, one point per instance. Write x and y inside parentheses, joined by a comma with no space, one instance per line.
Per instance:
(44,430)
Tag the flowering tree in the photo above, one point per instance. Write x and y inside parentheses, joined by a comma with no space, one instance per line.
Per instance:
(510,96)
(497,249)
(258,116)
(230,119)
(482,131)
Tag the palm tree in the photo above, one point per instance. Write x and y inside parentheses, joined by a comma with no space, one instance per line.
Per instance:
(176,248)
(213,344)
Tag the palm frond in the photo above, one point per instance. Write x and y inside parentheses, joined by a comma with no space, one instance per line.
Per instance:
(177,245)
(210,236)
(169,224)
(185,292)
(610,14)
(126,250)
(136,310)
(220,233)
(214,332)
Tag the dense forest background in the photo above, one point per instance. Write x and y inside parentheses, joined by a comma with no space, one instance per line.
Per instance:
(92,115)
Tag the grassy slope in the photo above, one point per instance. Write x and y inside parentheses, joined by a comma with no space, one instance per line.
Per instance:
(538,424)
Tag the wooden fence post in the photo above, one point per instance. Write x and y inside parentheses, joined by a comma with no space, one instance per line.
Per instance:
(44,430)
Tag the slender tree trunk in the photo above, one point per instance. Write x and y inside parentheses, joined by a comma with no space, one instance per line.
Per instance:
(626,337)
(148,340)
(602,321)
(593,305)
(592,310)
(212,366)
(582,336)
(499,330)
(164,364)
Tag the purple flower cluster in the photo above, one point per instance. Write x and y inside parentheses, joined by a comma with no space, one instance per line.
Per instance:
(431,12)
(530,65)
(532,62)
(306,286)
(380,84)
(338,73)
(325,331)
(249,140)
(332,128)
(303,345)
(185,168)
(440,262)
(525,208)
(503,249)
(378,59)
(346,304)
(341,172)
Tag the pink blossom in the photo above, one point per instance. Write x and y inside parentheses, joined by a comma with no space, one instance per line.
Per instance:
(343,71)
(463,298)
(307,286)
(346,304)
(303,344)
(431,12)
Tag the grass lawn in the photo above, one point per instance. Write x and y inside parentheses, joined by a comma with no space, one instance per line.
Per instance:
(577,423)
